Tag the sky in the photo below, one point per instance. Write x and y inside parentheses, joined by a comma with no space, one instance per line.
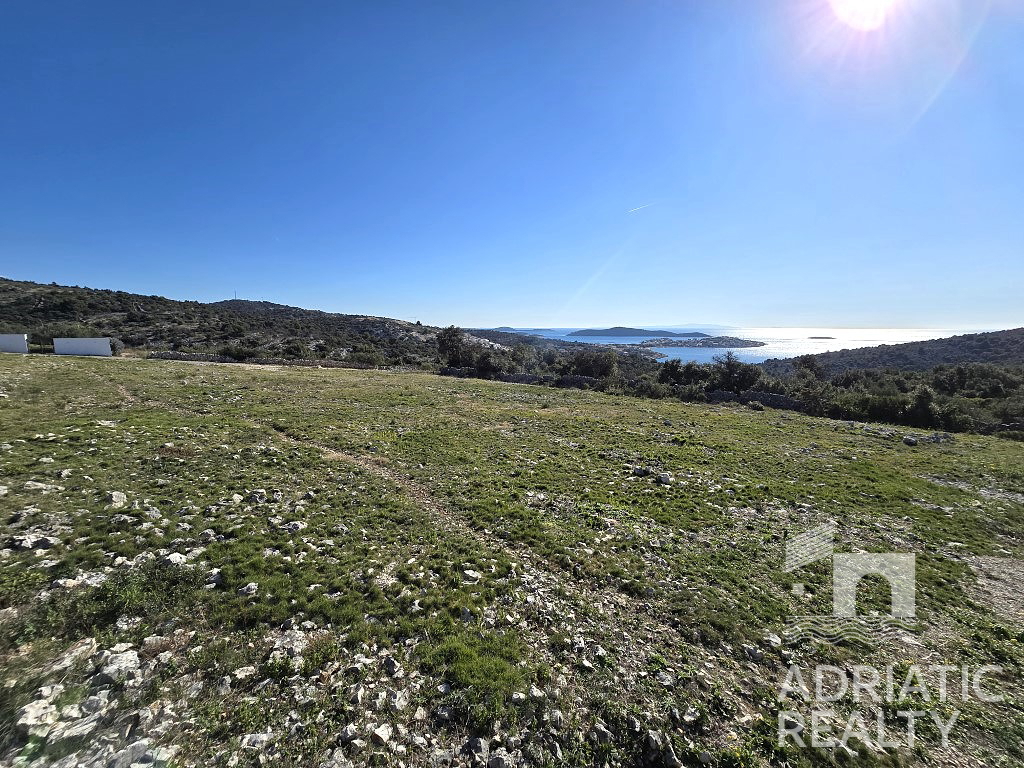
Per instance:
(822,163)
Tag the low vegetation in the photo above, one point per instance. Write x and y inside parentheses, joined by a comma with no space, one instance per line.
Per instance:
(233,564)
(968,383)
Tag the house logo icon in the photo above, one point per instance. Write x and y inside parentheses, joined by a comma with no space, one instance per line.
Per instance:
(848,569)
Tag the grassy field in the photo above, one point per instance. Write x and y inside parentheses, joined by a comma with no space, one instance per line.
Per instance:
(458,571)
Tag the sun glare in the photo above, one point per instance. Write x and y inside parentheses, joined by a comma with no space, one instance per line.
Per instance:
(864,15)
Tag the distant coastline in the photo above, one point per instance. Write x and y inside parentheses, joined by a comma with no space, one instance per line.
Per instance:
(709,342)
(623,332)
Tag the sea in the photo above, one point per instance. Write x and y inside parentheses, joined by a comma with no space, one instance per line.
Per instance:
(778,342)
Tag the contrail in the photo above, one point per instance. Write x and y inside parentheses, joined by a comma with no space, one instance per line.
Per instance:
(639,208)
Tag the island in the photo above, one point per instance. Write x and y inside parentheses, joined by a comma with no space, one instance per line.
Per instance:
(821,337)
(620,331)
(707,342)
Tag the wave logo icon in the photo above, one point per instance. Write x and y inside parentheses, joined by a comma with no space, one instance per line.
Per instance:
(844,625)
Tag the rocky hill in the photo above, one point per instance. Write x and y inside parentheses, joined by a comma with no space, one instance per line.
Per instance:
(238,328)
(1001,347)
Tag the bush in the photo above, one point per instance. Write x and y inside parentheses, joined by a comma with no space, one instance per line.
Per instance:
(236,352)
(596,362)
(732,375)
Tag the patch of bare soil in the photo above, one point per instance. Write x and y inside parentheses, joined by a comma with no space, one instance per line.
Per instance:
(1000,586)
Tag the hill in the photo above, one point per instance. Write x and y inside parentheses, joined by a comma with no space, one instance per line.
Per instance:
(237,328)
(622,332)
(1000,347)
(217,565)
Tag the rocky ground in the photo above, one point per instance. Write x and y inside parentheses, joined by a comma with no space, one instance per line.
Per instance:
(217,565)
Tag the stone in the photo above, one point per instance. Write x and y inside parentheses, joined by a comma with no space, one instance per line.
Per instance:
(118,667)
(665,478)
(73,730)
(381,734)
(909,440)
(162,756)
(81,650)
(392,667)
(600,734)
(45,488)
(29,541)
(398,701)
(250,589)
(654,743)
(117,499)
(133,753)
(256,740)
(477,747)
(36,719)
(175,558)
(670,758)
(754,654)
(95,703)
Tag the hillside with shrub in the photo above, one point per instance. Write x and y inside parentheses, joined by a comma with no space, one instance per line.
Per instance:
(236,329)
(1000,347)
(974,382)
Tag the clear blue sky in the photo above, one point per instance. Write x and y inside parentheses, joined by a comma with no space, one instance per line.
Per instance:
(479,163)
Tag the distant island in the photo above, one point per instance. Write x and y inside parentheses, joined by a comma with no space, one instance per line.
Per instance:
(707,342)
(620,331)
(821,337)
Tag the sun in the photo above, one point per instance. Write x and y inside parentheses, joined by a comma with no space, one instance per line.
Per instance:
(864,15)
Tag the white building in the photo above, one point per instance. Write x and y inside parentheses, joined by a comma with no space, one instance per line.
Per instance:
(14,342)
(100,347)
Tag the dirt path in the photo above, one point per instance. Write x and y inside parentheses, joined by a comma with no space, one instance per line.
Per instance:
(632,625)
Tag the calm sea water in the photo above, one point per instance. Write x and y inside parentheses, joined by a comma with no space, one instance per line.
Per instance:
(779,342)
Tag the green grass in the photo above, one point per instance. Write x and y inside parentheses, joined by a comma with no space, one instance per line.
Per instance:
(506,480)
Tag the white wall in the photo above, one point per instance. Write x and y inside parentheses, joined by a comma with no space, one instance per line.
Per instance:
(82,347)
(13,342)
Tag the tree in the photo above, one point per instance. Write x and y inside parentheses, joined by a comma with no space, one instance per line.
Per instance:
(732,375)
(451,346)
(922,411)
(671,372)
(488,364)
(809,365)
(598,362)
(525,357)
